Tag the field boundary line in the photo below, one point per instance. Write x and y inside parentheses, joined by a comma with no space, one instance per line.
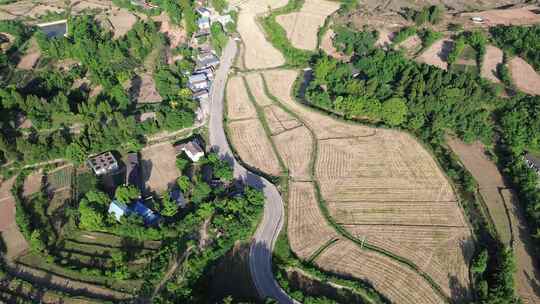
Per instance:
(287,130)
(319,251)
(401,225)
(342,231)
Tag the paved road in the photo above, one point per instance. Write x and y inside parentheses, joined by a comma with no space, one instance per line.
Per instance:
(260,256)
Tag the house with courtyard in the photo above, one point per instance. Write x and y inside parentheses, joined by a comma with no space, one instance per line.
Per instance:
(103,163)
(192,149)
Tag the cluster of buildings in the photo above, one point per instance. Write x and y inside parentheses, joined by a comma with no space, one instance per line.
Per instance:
(106,164)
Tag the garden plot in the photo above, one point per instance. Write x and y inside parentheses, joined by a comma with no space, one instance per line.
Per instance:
(296,148)
(437,54)
(256,86)
(524,76)
(442,252)
(122,21)
(253,146)
(59,182)
(302,26)
(278,120)
(158,165)
(280,84)
(492,58)
(9,230)
(307,229)
(239,106)
(32,183)
(395,281)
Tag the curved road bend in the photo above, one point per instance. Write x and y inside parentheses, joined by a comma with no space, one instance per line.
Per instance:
(260,256)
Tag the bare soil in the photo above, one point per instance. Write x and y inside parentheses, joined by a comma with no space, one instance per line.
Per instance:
(30,59)
(122,21)
(492,58)
(32,183)
(512,16)
(158,163)
(14,240)
(437,54)
(256,87)
(412,45)
(144,90)
(524,76)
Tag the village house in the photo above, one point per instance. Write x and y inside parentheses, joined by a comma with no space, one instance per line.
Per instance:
(208,72)
(103,163)
(192,149)
(206,60)
(203,23)
(203,12)
(119,209)
(532,162)
(54,29)
(200,95)
(198,82)
(223,19)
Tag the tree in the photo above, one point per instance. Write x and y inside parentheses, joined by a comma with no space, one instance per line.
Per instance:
(394,111)
(200,192)
(480,262)
(169,206)
(89,218)
(184,183)
(126,194)
(36,241)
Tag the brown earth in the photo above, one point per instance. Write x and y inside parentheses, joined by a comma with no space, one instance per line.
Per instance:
(256,87)
(239,106)
(30,59)
(158,163)
(437,54)
(512,16)
(15,242)
(32,183)
(524,76)
(122,21)
(492,58)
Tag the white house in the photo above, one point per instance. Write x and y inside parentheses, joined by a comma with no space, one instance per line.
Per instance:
(203,23)
(118,209)
(203,11)
(192,150)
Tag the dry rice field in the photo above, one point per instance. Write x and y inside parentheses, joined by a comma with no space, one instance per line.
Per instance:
(32,183)
(302,26)
(259,53)
(238,104)
(385,179)
(158,166)
(278,120)
(437,54)
(524,76)
(498,199)
(397,282)
(492,58)
(253,146)
(295,148)
(256,87)
(307,228)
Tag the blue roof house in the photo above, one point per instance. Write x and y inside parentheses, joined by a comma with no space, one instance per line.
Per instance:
(149,217)
(118,209)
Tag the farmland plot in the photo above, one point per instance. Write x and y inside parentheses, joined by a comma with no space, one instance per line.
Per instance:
(513,16)
(122,21)
(253,146)
(279,120)
(238,104)
(492,58)
(307,228)
(32,183)
(302,26)
(442,252)
(394,280)
(295,148)
(256,87)
(524,76)
(9,230)
(437,54)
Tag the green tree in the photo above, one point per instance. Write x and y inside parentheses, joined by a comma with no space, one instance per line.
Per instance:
(90,218)
(394,111)
(169,206)
(480,262)
(200,192)
(37,244)
(184,183)
(126,194)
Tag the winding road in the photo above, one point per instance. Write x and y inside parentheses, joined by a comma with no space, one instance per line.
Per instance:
(260,256)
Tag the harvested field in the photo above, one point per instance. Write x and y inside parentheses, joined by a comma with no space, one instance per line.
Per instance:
(302,26)
(40,10)
(122,21)
(256,86)
(81,6)
(239,105)
(442,252)
(395,281)
(295,148)
(18,8)
(278,120)
(32,183)
(512,16)
(524,76)
(158,163)
(253,146)
(143,89)
(437,54)
(280,84)
(492,58)
(510,226)
(307,229)
(14,240)
(60,178)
